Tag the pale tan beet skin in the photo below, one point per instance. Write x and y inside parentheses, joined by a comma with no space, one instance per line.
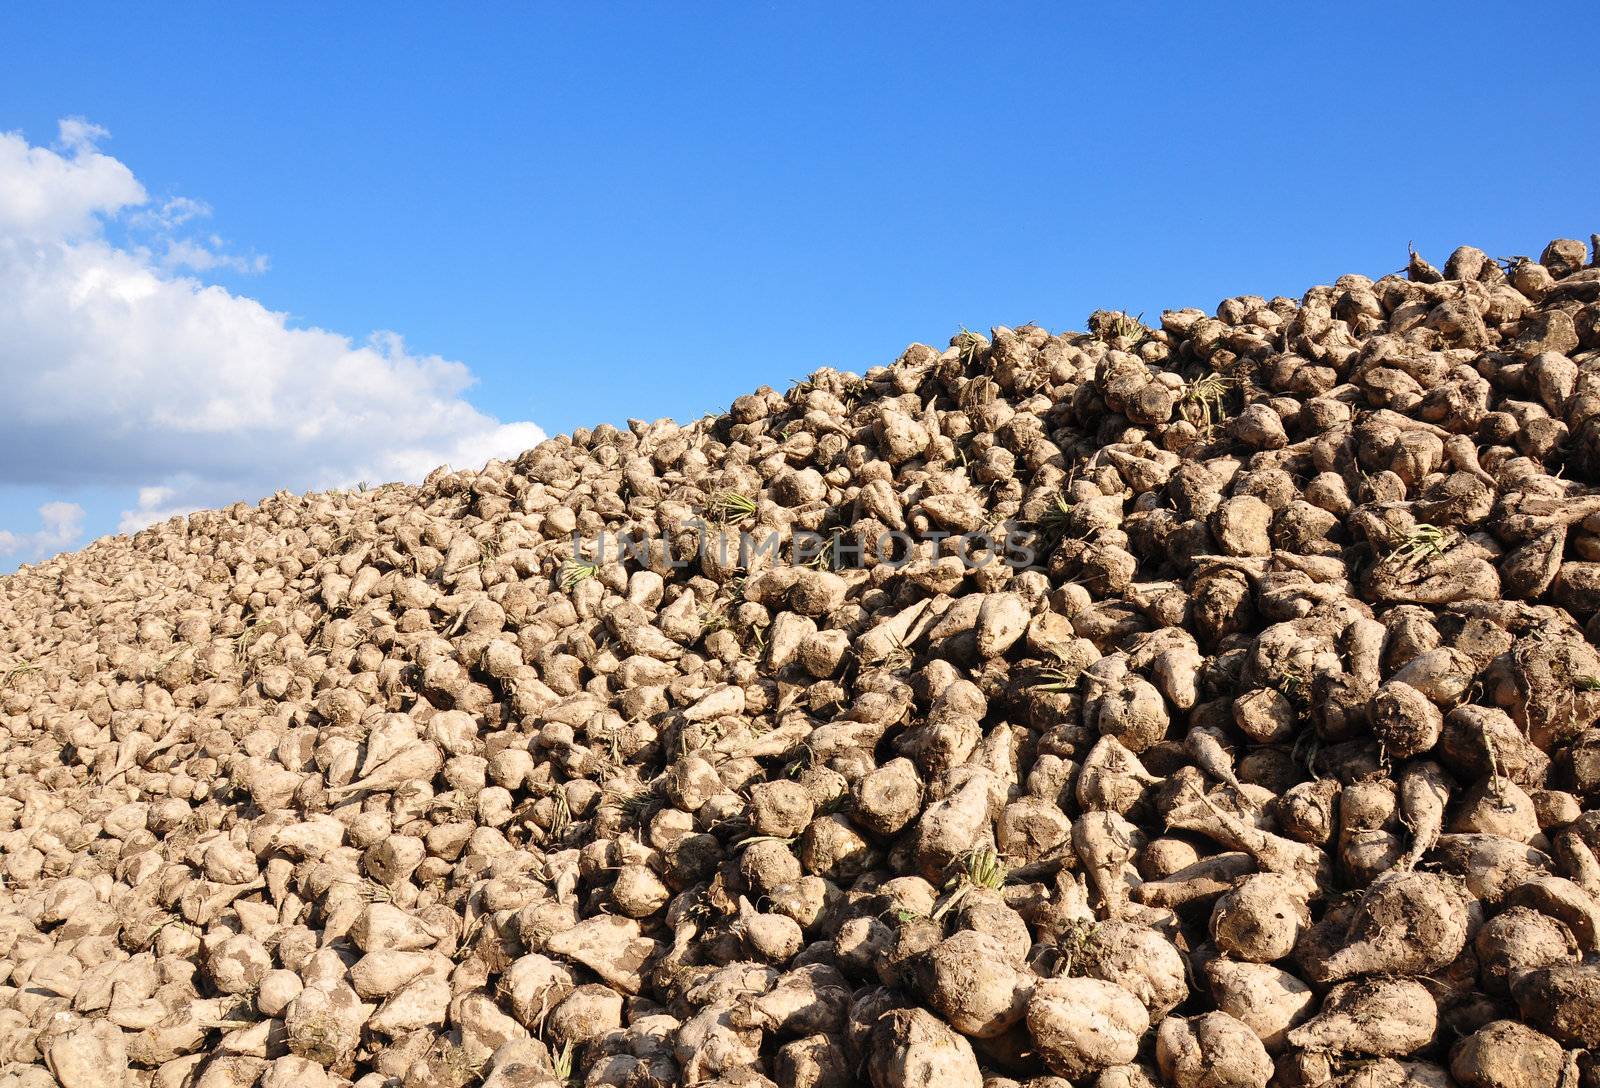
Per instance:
(1083,1025)
(1267,1000)
(1138,959)
(1506,1054)
(1406,923)
(967,980)
(1389,1073)
(1211,1051)
(912,1049)
(1376,1017)
(1260,919)
(1517,940)
(1563,1000)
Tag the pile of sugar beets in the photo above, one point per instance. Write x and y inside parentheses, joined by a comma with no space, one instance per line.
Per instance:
(1277,765)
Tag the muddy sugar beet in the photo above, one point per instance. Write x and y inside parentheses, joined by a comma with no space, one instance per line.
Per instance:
(1275,763)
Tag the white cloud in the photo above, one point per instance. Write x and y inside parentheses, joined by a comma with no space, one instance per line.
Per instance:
(172,252)
(60,527)
(155,504)
(47,196)
(203,256)
(119,370)
(172,213)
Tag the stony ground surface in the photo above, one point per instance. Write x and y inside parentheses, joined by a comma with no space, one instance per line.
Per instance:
(1221,710)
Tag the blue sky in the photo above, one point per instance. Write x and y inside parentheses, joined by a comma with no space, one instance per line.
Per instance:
(604,211)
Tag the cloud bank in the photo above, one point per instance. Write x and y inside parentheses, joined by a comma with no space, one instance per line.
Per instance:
(122,368)
(60,526)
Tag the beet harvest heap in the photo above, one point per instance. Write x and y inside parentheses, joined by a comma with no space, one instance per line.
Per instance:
(1277,763)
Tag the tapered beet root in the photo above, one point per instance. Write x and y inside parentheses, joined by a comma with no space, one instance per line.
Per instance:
(1377,1017)
(1406,923)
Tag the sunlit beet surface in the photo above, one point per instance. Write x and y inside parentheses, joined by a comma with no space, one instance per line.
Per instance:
(1203,699)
